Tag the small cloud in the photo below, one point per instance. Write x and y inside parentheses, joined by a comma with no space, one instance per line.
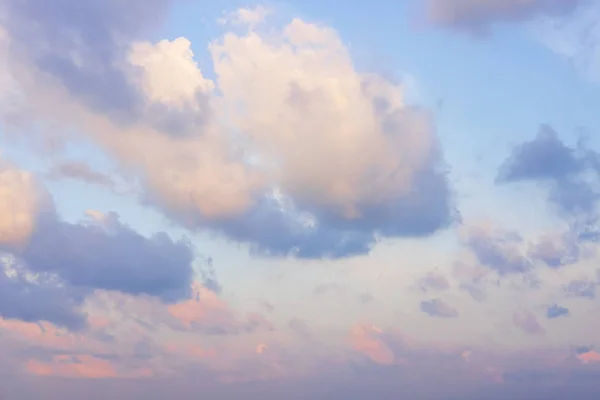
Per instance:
(365,298)
(299,327)
(528,323)
(438,308)
(475,291)
(327,288)
(434,281)
(261,348)
(250,17)
(368,341)
(209,276)
(581,288)
(81,171)
(555,311)
(267,306)
(497,249)
(589,357)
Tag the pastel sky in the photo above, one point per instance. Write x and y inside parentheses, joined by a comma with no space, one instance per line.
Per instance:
(300,200)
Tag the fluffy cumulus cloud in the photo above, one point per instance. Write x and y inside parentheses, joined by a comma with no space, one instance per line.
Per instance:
(477,16)
(290,148)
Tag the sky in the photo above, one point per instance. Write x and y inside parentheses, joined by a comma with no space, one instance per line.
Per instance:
(299,199)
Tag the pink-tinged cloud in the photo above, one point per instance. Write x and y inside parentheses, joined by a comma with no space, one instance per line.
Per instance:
(82,366)
(195,351)
(204,307)
(589,357)
(206,312)
(47,336)
(261,348)
(365,340)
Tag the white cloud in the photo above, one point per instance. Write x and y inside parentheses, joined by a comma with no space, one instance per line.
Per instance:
(337,138)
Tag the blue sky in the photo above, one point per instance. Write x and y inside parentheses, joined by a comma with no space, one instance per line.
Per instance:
(424,204)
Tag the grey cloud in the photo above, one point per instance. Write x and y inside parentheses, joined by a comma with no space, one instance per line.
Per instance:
(499,251)
(299,327)
(555,311)
(111,256)
(365,298)
(581,288)
(548,160)
(209,276)
(84,46)
(80,171)
(572,177)
(433,281)
(556,253)
(477,16)
(438,308)
(326,288)
(44,299)
(477,292)
(272,231)
(545,157)
(528,323)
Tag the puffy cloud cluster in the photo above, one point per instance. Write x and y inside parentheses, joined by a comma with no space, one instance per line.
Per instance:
(289,148)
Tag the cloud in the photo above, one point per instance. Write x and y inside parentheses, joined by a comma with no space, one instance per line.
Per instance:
(249,17)
(365,340)
(528,323)
(50,266)
(548,160)
(581,288)
(81,366)
(326,288)
(110,256)
(40,299)
(545,157)
(556,250)
(438,308)
(475,291)
(257,177)
(478,16)
(555,311)
(575,38)
(300,328)
(571,176)
(433,281)
(81,48)
(588,357)
(19,205)
(365,298)
(209,276)
(80,171)
(497,249)
(206,312)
